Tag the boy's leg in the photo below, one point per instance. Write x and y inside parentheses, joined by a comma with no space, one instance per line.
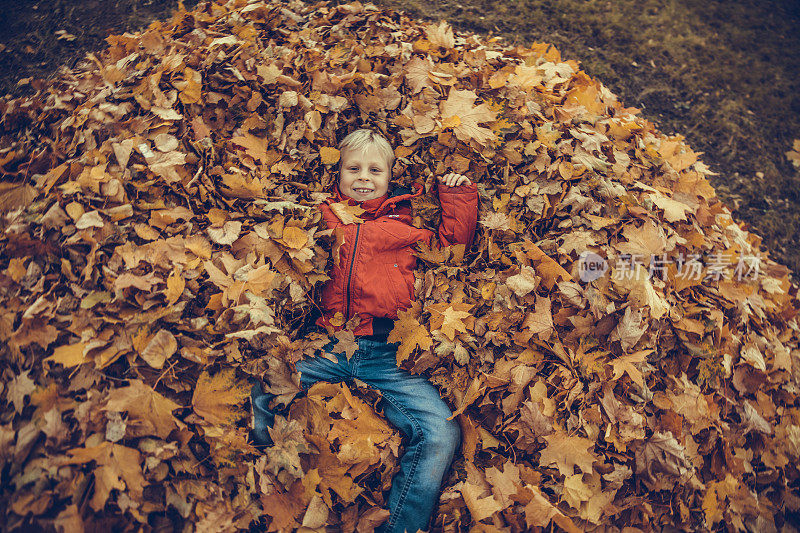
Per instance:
(412,404)
(311,370)
(263,417)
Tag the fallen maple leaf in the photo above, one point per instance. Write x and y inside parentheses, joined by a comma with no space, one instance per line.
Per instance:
(566,452)
(626,364)
(288,443)
(19,388)
(440,35)
(218,398)
(151,410)
(459,113)
(449,318)
(540,321)
(410,334)
(794,154)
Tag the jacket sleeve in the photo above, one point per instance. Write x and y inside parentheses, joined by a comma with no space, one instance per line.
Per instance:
(459,214)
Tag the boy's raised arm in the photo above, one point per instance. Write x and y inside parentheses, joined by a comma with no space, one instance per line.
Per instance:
(459,199)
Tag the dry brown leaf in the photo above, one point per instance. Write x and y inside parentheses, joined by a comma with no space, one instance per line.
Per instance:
(159,349)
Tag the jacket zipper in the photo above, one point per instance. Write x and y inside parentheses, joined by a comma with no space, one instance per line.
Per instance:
(350,273)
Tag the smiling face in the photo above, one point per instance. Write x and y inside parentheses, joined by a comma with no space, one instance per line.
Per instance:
(364,174)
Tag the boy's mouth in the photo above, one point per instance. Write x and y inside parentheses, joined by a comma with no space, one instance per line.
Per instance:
(362,190)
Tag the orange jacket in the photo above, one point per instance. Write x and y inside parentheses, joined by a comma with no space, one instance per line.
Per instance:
(374,277)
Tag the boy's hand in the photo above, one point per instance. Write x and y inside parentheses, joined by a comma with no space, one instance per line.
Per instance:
(454,180)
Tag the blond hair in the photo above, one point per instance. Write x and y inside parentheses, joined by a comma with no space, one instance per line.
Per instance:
(362,139)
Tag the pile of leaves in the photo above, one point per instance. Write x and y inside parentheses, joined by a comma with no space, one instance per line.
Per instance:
(162,249)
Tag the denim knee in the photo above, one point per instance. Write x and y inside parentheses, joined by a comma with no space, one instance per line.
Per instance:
(444,438)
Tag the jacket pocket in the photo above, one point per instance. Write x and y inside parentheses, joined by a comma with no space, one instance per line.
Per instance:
(398,288)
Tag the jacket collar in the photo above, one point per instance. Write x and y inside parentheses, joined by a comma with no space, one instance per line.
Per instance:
(379,206)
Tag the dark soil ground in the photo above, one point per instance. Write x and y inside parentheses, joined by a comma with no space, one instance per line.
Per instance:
(725,74)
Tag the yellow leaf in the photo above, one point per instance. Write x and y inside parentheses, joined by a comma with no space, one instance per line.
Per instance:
(586,94)
(449,318)
(294,237)
(540,321)
(539,510)
(146,232)
(190,86)
(175,286)
(16,268)
(794,154)
(545,266)
(625,364)
(316,514)
(105,479)
(453,121)
(328,155)
(115,464)
(453,322)
(199,246)
(479,507)
(473,392)
(576,491)
(218,399)
(410,334)
(89,220)
(673,210)
(254,146)
(227,234)
(487,291)
(348,214)
(441,35)
(643,241)
(15,195)
(711,506)
(69,356)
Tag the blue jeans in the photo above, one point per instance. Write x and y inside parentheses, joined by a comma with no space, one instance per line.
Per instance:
(414,406)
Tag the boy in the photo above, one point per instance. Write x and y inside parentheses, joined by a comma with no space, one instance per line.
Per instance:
(374,279)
